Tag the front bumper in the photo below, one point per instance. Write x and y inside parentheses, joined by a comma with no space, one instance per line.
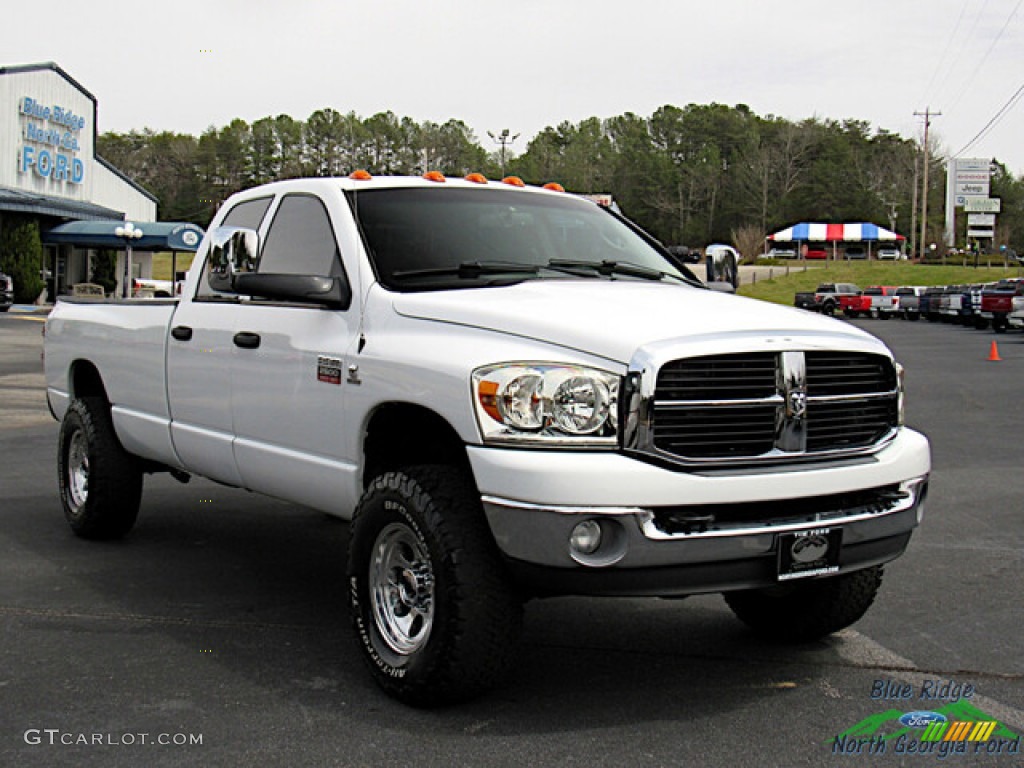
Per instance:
(668,532)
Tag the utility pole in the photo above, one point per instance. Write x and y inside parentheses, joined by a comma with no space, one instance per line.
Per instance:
(914,209)
(927,115)
(504,140)
(892,213)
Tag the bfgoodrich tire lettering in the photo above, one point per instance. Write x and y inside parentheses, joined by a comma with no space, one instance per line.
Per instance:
(806,610)
(432,607)
(100,483)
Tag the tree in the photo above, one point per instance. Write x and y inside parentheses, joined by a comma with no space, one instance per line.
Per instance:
(104,268)
(21,256)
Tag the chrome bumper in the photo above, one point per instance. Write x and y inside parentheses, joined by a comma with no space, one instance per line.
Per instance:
(684,550)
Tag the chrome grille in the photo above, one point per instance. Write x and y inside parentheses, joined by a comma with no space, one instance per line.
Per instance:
(767,406)
(717,378)
(843,373)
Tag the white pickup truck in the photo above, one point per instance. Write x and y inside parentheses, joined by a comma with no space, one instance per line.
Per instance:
(512,393)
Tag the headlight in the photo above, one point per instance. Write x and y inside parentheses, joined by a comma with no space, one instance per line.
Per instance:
(545,403)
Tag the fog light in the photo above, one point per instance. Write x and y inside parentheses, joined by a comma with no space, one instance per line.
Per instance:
(586,537)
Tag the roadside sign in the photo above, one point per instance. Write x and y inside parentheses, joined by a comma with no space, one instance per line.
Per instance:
(972,164)
(982,204)
(972,188)
(980,233)
(981,220)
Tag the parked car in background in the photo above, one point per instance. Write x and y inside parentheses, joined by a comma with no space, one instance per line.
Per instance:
(6,292)
(930,302)
(889,253)
(970,305)
(997,302)
(910,301)
(855,306)
(780,253)
(816,251)
(827,298)
(855,252)
(883,301)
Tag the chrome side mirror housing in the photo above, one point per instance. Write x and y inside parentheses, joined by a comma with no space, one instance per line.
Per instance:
(233,251)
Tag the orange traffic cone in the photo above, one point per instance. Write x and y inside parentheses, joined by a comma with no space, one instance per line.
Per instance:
(993,354)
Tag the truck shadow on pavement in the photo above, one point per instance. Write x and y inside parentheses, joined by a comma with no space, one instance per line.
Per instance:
(228,599)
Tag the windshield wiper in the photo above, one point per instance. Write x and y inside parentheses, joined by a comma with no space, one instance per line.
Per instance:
(609,268)
(470,270)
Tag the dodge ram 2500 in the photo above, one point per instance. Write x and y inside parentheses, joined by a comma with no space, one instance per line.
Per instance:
(511,392)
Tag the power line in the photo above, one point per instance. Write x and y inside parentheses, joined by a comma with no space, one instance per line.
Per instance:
(999,115)
(984,58)
(945,61)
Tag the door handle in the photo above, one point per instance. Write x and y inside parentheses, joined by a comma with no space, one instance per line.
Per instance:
(181,332)
(247,340)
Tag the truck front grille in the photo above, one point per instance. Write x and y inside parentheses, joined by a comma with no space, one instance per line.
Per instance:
(770,406)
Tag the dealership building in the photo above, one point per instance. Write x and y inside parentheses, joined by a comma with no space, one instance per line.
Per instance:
(49,171)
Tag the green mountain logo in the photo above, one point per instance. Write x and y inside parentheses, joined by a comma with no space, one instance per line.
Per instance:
(880,725)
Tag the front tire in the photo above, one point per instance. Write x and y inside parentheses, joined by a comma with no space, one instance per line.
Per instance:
(100,483)
(433,610)
(808,610)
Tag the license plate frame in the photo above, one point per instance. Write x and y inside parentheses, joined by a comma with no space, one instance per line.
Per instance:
(805,554)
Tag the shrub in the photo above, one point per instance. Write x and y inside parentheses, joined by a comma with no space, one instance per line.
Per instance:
(21,256)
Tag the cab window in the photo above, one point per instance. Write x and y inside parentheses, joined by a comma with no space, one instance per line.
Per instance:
(300,240)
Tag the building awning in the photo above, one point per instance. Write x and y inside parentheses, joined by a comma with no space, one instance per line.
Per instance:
(19,201)
(156,235)
(829,233)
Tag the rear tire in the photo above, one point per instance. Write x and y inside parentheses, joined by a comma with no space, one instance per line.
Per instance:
(807,610)
(433,609)
(100,483)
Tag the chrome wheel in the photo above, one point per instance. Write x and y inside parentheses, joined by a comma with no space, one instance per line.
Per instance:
(402,589)
(78,470)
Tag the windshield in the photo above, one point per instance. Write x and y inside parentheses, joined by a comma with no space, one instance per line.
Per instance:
(432,239)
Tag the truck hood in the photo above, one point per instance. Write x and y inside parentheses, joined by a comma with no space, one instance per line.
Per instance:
(614,318)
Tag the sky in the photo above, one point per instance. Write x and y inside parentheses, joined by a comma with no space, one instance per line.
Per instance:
(525,65)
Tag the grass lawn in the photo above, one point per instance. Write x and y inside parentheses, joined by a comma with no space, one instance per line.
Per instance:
(162,264)
(780,290)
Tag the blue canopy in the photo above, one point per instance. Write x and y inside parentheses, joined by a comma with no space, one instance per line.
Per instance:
(156,235)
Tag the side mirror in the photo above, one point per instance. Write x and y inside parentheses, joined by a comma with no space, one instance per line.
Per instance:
(233,251)
(723,265)
(333,292)
(684,254)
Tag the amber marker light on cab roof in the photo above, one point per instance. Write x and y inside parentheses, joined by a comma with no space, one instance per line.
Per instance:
(477,178)
(515,181)
(433,176)
(554,186)
(360,175)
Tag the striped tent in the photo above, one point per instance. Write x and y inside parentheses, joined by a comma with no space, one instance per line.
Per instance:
(830,233)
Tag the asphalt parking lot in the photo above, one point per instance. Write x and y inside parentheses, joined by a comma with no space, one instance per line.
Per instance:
(219,625)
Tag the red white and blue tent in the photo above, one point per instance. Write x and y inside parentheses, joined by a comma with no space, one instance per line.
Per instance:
(830,233)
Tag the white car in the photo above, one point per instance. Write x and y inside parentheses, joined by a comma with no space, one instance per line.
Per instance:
(886,252)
